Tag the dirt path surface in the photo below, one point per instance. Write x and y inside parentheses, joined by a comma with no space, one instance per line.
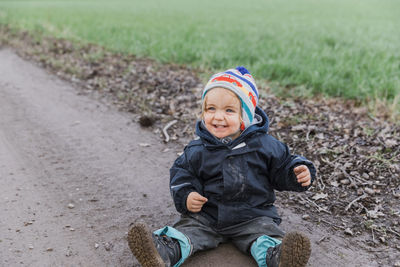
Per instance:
(75,172)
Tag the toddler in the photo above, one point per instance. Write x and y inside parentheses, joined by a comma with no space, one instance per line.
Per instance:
(223,184)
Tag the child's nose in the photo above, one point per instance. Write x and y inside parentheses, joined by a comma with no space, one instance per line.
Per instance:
(219,114)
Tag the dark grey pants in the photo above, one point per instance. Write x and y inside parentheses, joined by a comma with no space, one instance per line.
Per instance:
(203,236)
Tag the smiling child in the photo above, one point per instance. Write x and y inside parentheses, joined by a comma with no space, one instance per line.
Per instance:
(223,184)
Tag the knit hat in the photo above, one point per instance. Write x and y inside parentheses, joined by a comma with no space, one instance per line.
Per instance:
(240,82)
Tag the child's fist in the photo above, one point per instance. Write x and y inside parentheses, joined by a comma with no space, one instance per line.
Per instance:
(303,175)
(195,202)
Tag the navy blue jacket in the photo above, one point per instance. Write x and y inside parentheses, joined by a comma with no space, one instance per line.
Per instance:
(237,177)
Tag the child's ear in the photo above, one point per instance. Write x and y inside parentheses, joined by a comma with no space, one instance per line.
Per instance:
(242,126)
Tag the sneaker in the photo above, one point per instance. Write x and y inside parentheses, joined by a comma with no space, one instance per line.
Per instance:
(294,251)
(153,250)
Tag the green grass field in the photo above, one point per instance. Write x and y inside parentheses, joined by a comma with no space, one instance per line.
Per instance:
(348,48)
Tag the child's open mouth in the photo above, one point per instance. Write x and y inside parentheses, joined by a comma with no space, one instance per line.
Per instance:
(219,126)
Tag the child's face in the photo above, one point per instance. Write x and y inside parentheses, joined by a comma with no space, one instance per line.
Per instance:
(221,113)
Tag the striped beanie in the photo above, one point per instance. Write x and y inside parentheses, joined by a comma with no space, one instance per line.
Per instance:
(240,82)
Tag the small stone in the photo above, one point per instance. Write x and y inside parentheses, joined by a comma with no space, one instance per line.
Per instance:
(71,206)
(49,249)
(369,191)
(30,246)
(71,229)
(305,217)
(107,246)
(360,191)
(365,175)
(397,264)
(144,144)
(390,143)
(299,127)
(69,253)
(334,183)
(348,231)
(96,246)
(345,181)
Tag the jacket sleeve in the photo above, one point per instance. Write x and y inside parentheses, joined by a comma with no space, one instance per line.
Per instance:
(281,164)
(183,181)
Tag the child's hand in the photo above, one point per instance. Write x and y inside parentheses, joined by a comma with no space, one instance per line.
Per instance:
(195,202)
(303,175)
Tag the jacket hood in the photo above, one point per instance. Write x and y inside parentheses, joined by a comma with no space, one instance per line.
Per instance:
(261,124)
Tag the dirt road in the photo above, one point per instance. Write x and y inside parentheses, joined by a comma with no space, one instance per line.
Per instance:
(75,172)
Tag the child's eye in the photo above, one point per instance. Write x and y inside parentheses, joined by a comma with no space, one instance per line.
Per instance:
(230,110)
(210,109)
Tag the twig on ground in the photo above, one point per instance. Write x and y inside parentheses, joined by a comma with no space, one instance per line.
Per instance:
(373,236)
(376,250)
(354,201)
(307,135)
(321,181)
(312,202)
(321,239)
(164,130)
(393,231)
(186,128)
